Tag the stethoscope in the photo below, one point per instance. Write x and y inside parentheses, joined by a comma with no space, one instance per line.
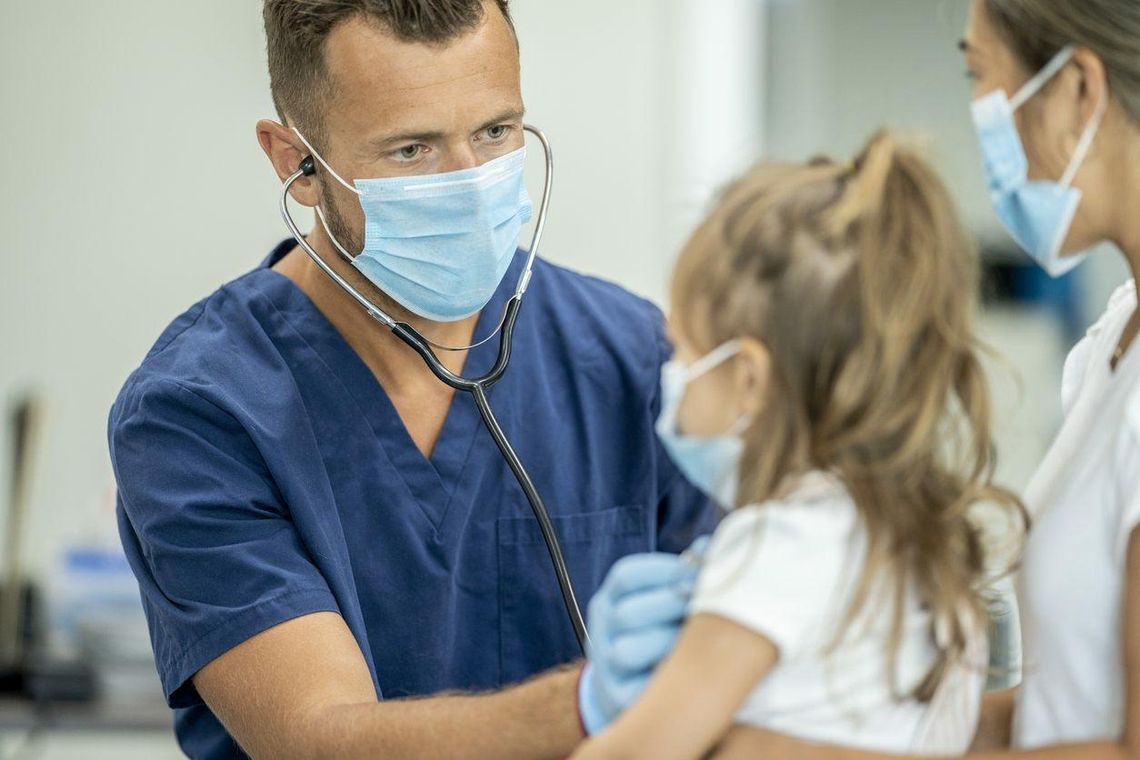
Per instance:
(478,386)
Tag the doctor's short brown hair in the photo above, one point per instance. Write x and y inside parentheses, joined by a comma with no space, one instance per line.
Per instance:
(296,31)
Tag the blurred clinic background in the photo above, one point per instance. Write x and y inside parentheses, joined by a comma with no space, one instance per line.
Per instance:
(133,186)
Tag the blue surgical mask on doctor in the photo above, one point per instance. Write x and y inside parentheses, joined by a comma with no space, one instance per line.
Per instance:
(439,244)
(1038,214)
(711,463)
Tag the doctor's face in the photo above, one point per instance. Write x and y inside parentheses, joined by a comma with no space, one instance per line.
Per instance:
(404,108)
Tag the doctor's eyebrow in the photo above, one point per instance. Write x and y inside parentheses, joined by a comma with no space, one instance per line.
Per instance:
(388,142)
(964,45)
(391,141)
(503,118)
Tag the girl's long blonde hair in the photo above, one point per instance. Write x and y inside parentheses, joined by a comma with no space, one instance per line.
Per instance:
(861,282)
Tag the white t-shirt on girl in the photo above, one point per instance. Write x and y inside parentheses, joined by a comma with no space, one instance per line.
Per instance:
(1085,501)
(788,570)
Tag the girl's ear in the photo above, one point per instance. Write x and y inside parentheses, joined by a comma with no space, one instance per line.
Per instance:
(753,375)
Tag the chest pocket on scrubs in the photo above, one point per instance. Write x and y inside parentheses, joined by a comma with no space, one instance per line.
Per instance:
(534,632)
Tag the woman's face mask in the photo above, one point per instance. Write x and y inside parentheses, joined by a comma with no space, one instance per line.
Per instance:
(1038,214)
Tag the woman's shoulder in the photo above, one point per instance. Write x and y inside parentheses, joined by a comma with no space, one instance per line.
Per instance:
(1121,304)
(1123,297)
(1120,307)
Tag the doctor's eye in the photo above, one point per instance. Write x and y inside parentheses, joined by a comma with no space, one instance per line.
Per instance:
(409,152)
(497,133)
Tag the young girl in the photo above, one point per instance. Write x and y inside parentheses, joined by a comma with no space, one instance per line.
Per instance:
(826,379)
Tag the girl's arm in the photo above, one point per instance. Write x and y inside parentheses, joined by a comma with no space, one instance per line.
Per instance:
(691,701)
(750,744)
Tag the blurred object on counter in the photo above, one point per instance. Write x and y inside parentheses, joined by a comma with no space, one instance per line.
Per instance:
(26,668)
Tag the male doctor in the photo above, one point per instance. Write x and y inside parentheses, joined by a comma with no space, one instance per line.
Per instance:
(334,558)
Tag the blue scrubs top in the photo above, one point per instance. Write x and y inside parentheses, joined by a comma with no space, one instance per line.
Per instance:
(263,474)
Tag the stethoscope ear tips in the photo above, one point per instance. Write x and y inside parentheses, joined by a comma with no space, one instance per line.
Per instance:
(308,167)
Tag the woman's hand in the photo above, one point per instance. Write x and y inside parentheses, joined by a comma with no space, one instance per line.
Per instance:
(995,727)
(747,743)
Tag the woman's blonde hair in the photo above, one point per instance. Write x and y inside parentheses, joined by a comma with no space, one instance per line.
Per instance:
(861,283)
(1037,29)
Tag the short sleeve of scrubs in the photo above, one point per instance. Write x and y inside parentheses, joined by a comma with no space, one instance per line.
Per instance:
(205,530)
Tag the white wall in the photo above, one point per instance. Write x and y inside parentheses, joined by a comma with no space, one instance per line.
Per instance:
(841,69)
(651,105)
(715,72)
(133,186)
(133,183)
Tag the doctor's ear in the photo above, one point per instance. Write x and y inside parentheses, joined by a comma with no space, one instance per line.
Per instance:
(753,375)
(288,154)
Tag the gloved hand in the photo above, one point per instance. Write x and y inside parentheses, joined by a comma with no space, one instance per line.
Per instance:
(634,621)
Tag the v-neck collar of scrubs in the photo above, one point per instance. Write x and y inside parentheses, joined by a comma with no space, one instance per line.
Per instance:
(431,480)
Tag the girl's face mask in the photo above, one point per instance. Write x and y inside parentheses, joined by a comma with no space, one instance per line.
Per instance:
(711,463)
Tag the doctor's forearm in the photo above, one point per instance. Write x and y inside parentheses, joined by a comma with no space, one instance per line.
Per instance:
(534,720)
(302,689)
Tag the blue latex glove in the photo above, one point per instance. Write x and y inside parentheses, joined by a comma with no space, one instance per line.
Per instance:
(634,621)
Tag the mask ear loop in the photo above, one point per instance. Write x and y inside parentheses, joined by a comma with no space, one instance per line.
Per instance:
(712,360)
(336,243)
(498,328)
(1085,143)
(1034,85)
(325,164)
(708,363)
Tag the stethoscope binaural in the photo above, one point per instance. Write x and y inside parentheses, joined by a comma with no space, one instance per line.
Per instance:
(478,386)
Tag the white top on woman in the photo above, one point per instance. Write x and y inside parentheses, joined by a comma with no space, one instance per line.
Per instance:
(1085,502)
